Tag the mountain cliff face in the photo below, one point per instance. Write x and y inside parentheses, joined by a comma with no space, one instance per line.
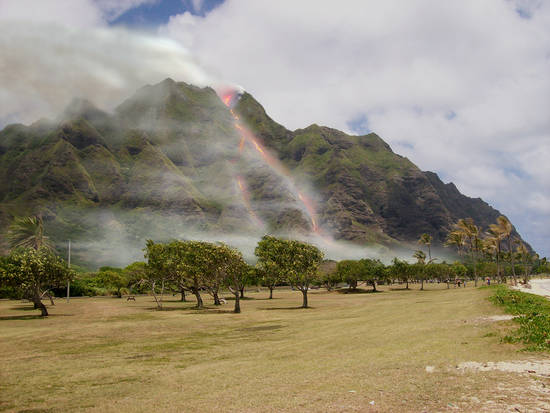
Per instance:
(170,162)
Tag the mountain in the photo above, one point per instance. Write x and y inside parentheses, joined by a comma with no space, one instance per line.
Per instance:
(175,161)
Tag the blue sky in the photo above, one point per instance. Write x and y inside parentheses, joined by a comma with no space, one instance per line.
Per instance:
(158,13)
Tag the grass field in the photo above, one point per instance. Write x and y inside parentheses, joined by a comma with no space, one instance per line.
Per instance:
(349,352)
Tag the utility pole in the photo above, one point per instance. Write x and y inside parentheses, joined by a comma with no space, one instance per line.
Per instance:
(69,265)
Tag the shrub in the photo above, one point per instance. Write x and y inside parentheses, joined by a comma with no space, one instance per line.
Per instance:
(533,317)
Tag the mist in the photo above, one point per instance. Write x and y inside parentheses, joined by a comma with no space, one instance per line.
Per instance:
(45,65)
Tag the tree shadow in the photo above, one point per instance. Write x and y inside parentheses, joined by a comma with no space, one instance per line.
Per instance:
(356,291)
(20,317)
(31,317)
(24,308)
(288,308)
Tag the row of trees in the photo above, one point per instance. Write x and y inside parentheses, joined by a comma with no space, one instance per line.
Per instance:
(196,266)
(497,244)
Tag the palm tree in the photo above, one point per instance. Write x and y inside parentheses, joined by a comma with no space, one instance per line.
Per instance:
(495,235)
(28,232)
(426,239)
(525,257)
(457,239)
(421,261)
(470,232)
(506,229)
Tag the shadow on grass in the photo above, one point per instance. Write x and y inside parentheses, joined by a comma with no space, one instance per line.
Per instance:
(356,291)
(195,310)
(288,308)
(20,317)
(24,308)
(31,317)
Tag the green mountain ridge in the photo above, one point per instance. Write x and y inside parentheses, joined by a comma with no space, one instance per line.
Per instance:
(167,164)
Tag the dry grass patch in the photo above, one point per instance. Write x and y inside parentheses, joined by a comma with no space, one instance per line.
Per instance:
(110,355)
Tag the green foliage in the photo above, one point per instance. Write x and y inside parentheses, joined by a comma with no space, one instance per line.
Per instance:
(533,317)
(401,270)
(32,271)
(28,232)
(297,261)
(328,274)
(350,271)
(115,280)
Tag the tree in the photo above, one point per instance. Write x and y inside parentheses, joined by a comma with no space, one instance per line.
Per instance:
(269,274)
(115,280)
(506,229)
(161,268)
(526,260)
(401,270)
(298,261)
(32,270)
(418,269)
(28,232)
(328,273)
(472,241)
(373,271)
(350,271)
(493,244)
(457,239)
(136,274)
(426,239)
(236,271)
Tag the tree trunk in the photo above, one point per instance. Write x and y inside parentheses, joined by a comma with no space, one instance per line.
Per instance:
(475,268)
(237,308)
(159,303)
(182,291)
(198,297)
(422,284)
(270,292)
(38,304)
(47,294)
(374,287)
(304,301)
(216,298)
(407,286)
(242,292)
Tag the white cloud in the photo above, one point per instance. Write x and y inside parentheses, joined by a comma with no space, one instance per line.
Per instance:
(77,13)
(459,87)
(101,64)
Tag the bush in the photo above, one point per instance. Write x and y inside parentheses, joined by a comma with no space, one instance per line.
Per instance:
(533,317)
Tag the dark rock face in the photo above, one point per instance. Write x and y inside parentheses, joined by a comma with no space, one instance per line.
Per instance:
(368,193)
(168,162)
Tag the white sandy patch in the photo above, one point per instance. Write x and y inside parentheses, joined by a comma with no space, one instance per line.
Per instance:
(490,318)
(537,367)
(538,286)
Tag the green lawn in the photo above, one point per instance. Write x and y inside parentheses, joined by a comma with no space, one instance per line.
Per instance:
(110,355)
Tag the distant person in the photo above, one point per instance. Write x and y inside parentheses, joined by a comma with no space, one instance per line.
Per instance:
(488,280)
